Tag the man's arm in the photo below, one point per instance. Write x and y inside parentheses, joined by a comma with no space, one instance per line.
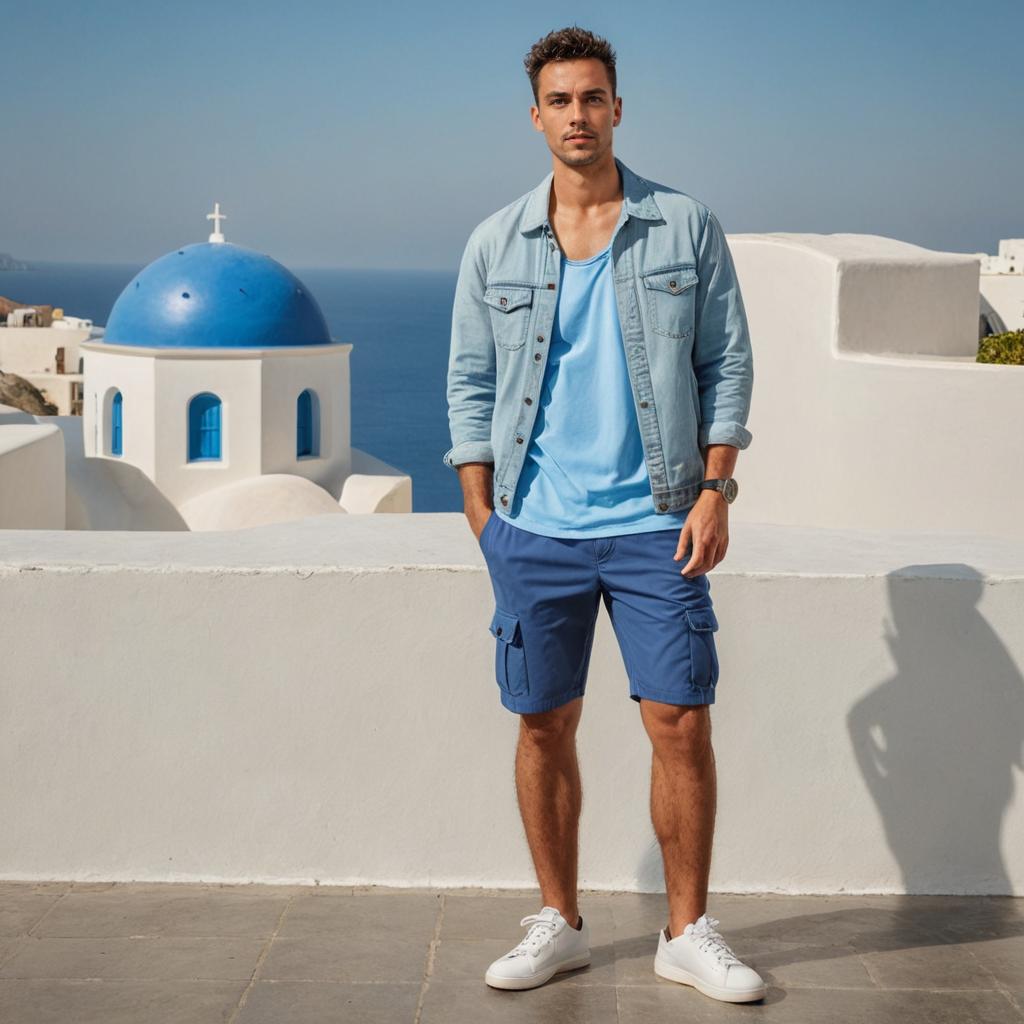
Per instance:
(471,365)
(471,389)
(722,356)
(723,366)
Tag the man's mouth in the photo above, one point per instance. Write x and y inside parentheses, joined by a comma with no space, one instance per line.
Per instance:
(578,138)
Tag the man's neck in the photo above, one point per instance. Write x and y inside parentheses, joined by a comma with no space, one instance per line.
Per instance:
(578,191)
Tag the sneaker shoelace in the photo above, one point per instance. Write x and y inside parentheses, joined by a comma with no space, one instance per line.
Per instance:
(710,940)
(541,931)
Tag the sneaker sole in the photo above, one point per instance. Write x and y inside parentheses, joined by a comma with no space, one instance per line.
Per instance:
(538,979)
(726,995)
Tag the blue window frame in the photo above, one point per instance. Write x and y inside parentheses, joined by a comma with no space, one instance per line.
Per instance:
(204,427)
(116,420)
(307,433)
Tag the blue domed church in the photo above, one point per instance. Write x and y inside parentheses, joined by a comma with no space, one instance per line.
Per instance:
(218,379)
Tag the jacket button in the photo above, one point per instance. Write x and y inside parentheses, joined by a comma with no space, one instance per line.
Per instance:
(643,405)
(497,632)
(537,355)
(671,284)
(661,505)
(519,440)
(504,499)
(540,337)
(528,401)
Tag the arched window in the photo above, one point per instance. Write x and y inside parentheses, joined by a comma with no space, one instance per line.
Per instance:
(204,427)
(115,425)
(307,431)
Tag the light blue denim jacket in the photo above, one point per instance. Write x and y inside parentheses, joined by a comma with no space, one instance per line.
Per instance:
(683,323)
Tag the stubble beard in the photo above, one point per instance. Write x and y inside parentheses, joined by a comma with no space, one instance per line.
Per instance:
(580,158)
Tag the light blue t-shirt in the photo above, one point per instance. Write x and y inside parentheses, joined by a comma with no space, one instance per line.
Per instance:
(584,474)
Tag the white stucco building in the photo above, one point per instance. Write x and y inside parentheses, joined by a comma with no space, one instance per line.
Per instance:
(49,358)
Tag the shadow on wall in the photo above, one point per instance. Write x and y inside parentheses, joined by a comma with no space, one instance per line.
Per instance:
(937,742)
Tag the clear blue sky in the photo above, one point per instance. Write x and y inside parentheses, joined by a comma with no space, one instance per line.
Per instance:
(378,135)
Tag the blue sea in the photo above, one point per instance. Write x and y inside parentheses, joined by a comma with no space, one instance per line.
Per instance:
(398,322)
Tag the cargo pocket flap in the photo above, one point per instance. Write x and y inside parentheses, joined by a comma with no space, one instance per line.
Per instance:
(505,626)
(673,281)
(702,619)
(507,299)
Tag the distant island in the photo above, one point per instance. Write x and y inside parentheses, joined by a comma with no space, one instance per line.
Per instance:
(8,262)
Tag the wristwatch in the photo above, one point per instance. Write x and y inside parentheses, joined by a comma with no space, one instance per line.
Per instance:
(728,487)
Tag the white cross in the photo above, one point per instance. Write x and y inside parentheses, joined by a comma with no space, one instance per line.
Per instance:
(216,217)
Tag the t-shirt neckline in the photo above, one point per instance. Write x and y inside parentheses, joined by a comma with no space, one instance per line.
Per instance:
(591,259)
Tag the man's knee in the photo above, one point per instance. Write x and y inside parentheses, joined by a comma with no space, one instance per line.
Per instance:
(678,729)
(554,727)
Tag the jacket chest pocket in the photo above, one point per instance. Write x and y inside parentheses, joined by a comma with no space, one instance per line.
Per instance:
(671,298)
(509,307)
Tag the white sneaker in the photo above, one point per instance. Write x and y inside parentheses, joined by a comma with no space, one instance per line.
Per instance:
(551,945)
(700,957)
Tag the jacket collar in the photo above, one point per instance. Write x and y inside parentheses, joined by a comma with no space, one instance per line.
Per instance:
(637,198)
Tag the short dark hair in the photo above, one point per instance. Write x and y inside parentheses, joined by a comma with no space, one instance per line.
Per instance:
(573,43)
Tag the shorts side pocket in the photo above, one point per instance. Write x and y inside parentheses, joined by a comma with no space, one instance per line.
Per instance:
(485,528)
(509,654)
(703,653)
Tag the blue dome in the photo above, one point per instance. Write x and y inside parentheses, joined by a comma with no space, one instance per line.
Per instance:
(216,295)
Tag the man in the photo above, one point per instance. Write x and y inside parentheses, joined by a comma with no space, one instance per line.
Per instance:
(599,383)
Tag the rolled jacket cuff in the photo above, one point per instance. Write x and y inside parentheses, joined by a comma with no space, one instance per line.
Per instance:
(469,451)
(724,432)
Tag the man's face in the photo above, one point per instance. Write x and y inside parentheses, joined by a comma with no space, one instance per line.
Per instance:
(576,111)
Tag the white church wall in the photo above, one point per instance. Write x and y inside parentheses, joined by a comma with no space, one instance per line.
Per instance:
(32,480)
(317,701)
(258,390)
(285,374)
(236,381)
(107,371)
(858,439)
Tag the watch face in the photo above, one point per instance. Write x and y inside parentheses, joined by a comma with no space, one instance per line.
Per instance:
(730,490)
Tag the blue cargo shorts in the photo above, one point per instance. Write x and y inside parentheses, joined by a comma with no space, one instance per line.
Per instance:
(547,591)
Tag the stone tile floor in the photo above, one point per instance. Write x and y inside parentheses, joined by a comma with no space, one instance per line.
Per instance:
(78,953)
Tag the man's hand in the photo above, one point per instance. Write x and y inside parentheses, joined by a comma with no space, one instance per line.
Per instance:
(477,480)
(478,515)
(707,527)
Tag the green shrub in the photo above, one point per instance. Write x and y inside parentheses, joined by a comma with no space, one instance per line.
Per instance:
(1002,348)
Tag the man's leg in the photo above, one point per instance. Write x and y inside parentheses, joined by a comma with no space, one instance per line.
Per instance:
(550,587)
(683,800)
(550,800)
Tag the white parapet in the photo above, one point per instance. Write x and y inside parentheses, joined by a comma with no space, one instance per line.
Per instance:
(317,701)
